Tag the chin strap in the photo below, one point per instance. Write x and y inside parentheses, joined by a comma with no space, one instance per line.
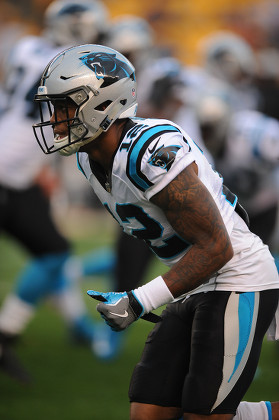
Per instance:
(73,148)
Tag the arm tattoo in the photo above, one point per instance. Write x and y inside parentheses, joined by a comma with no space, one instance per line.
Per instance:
(192,212)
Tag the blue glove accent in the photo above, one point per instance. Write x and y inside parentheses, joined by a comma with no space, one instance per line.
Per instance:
(111,298)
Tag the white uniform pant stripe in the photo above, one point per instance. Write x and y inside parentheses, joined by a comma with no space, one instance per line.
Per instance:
(239,330)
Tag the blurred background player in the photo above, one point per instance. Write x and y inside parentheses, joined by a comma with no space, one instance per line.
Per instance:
(28,182)
(245,149)
(241,136)
(229,58)
(134,36)
(168,91)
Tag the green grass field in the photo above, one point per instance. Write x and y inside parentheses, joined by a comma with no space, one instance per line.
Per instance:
(69,383)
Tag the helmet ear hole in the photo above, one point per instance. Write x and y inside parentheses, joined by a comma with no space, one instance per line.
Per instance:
(103,106)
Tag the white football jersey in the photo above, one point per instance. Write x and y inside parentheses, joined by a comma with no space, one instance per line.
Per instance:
(150,155)
(20,156)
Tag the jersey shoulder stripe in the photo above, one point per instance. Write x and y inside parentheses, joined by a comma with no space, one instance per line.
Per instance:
(138,149)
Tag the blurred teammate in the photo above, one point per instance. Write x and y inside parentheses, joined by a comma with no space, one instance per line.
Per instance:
(28,180)
(167,90)
(245,149)
(134,37)
(221,289)
(229,58)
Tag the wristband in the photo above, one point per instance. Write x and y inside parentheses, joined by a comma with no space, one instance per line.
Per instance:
(153,294)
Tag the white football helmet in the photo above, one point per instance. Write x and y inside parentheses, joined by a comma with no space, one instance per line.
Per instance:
(101,83)
(228,56)
(75,22)
(131,35)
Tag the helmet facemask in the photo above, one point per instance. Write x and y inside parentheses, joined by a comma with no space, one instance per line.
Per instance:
(76,130)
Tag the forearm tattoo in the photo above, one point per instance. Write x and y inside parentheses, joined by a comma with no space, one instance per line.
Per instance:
(192,212)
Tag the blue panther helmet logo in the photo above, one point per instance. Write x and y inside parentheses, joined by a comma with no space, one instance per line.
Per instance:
(107,67)
(164,157)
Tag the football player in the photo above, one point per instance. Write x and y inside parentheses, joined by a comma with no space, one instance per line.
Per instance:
(27,180)
(229,57)
(221,288)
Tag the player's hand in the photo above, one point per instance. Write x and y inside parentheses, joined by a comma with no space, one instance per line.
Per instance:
(119,310)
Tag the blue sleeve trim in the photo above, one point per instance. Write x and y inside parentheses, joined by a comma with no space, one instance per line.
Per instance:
(137,151)
(269,409)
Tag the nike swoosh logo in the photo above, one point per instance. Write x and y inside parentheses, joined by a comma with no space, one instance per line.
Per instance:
(121,315)
(154,147)
(66,77)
